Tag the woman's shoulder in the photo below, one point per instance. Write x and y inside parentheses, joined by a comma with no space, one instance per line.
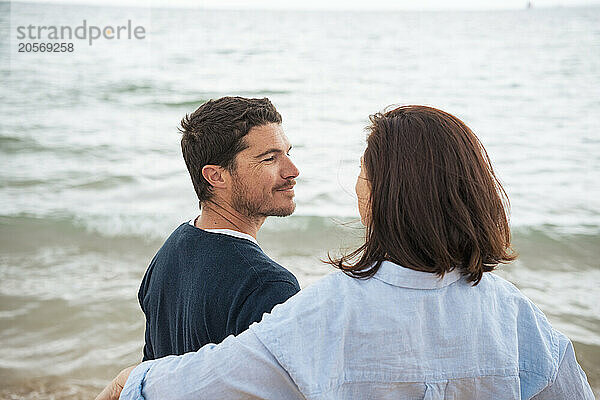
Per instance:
(495,284)
(318,294)
(311,307)
(539,342)
(502,292)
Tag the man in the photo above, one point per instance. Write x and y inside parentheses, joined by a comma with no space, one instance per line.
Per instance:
(210,279)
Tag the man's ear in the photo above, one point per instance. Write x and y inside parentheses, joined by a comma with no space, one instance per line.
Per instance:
(214,176)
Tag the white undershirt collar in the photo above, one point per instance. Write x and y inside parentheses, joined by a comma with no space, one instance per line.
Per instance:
(229,232)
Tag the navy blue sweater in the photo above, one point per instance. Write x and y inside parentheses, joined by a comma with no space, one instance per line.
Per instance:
(202,287)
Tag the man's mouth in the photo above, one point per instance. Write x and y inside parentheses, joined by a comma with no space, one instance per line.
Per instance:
(287,188)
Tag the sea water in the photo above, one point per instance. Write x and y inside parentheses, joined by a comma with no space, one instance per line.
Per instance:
(92,179)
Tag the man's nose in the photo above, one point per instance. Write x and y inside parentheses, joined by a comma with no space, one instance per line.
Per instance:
(289,170)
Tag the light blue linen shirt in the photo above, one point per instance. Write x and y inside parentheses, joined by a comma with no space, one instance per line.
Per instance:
(402,334)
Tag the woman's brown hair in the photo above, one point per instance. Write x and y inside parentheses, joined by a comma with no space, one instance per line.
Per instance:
(435,202)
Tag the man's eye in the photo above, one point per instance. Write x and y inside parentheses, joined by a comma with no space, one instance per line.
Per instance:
(269,159)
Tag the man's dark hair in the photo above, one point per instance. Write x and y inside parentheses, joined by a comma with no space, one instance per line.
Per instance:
(214,135)
(436,204)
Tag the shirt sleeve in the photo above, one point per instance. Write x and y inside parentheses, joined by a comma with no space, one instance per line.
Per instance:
(570,382)
(261,301)
(240,367)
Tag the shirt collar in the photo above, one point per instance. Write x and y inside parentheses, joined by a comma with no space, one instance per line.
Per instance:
(229,232)
(398,275)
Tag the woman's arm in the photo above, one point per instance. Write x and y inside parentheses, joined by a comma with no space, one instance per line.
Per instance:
(239,367)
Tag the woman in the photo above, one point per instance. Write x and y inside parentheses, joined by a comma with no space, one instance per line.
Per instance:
(414,312)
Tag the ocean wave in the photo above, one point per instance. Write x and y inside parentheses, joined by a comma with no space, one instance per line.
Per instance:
(16,144)
(192,101)
(187,103)
(25,232)
(128,87)
(92,183)
(64,226)
(26,144)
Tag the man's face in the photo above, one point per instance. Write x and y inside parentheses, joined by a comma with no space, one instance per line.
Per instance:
(263,178)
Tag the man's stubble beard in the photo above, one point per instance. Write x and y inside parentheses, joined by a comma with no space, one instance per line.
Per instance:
(255,208)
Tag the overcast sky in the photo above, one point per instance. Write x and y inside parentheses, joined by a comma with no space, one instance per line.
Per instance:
(339,4)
